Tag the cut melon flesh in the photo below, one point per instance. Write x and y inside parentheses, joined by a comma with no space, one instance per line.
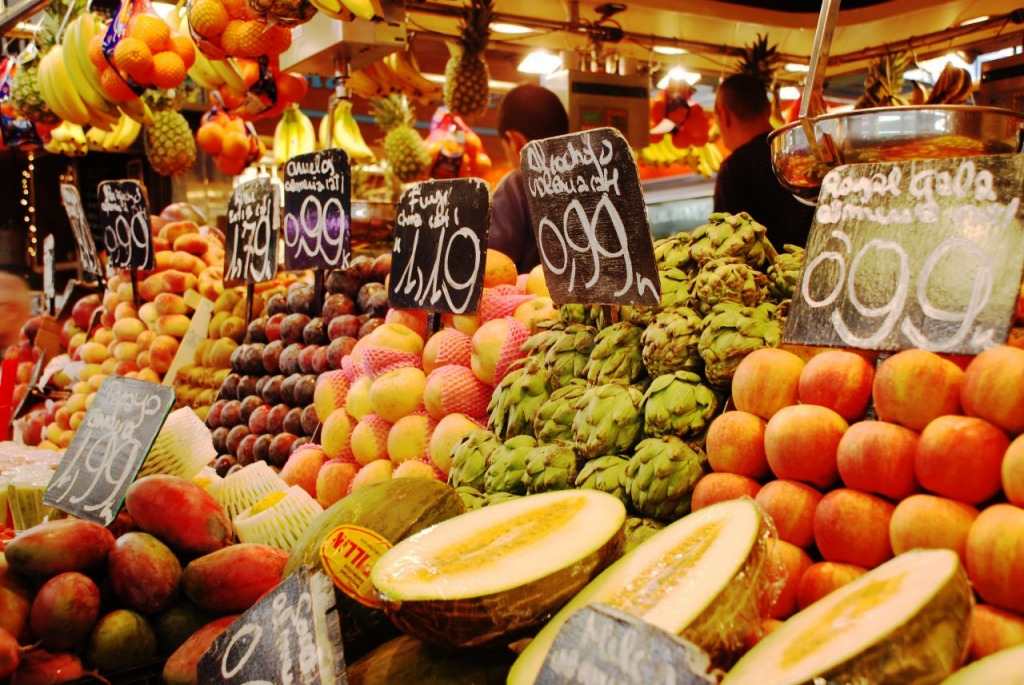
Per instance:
(904,622)
(699,577)
(486,574)
(1005,667)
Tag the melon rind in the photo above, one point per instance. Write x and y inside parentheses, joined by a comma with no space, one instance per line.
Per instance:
(433,590)
(922,643)
(714,600)
(1005,667)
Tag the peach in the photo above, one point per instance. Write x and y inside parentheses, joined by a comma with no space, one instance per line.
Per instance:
(128,329)
(720,487)
(104,336)
(331,390)
(960,457)
(96,380)
(397,393)
(932,523)
(125,293)
(766,381)
(535,282)
(735,444)
(173,324)
(169,303)
(408,438)
(995,556)
(447,346)
(878,457)
(455,389)
(370,439)
(148,374)
(193,244)
(188,263)
(840,380)
(801,442)
(142,361)
(1012,472)
(93,352)
(336,433)
(822,578)
(993,388)
(173,230)
(464,323)
(357,401)
(791,506)
(333,480)
(87,371)
(852,527)
(125,351)
(148,315)
(109,363)
(161,353)
(499,269)
(913,387)
(993,630)
(790,564)
(302,467)
(233,327)
(447,432)
(125,310)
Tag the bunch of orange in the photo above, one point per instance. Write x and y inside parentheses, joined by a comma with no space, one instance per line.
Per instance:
(149,53)
(231,143)
(291,87)
(230,26)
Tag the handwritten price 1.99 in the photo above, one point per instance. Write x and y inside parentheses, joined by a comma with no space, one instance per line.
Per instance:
(891,313)
(318,231)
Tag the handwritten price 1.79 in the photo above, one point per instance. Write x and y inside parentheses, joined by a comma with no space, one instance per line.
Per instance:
(318,231)
(432,288)
(251,247)
(891,313)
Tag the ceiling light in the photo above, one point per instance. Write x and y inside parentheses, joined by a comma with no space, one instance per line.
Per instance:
(511,29)
(678,74)
(668,50)
(976,20)
(540,62)
(25,27)
(797,68)
(789,93)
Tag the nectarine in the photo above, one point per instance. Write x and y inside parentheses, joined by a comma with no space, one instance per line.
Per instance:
(993,388)
(913,387)
(852,527)
(735,444)
(719,487)
(791,507)
(995,556)
(801,441)
(960,457)
(878,457)
(766,381)
(931,522)
(840,380)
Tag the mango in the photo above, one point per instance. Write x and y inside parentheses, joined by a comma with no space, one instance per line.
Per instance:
(58,546)
(230,580)
(122,639)
(15,601)
(144,573)
(40,667)
(181,514)
(182,668)
(65,611)
(177,624)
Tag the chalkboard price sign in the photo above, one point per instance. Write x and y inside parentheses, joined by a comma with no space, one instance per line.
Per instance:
(80,227)
(109,448)
(317,211)
(925,254)
(291,636)
(590,219)
(599,644)
(127,237)
(441,229)
(254,221)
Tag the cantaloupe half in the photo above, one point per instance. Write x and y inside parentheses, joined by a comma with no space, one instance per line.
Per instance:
(492,573)
(906,621)
(1005,667)
(699,578)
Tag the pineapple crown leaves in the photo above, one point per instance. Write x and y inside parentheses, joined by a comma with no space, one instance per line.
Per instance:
(391,111)
(476,27)
(760,60)
(159,100)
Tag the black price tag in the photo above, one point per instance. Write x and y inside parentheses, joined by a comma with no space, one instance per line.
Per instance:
(254,221)
(317,211)
(291,636)
(109,448)
(590,219)
(127,236)
(437,263)
(925,254)
(49,288)
(599,644)
(80,227)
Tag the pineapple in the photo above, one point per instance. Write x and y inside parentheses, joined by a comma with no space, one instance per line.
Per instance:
(26,98)
(403,146)
(760,61)
(170,147)
(884,81)
(465,75)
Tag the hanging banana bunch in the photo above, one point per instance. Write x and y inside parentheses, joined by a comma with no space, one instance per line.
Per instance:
(345,134)
(294,135)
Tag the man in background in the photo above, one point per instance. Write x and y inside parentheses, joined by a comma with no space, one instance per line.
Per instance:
(528,112)
(746,182)
(15,308)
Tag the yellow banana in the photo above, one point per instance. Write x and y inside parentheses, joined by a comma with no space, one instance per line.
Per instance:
(334,9)
(350,138)
(128,133)
(138,110)
(227,70)
(84,76)
(96,137)
(403,64)
(381,74)
(67,104)
(364,9)
(359,83)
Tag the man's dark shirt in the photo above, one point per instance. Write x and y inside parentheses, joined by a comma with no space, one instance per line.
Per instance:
(511,231)
(746,183)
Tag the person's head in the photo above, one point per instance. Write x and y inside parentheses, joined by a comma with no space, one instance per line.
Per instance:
(529,112)
(15,307)
(741,109)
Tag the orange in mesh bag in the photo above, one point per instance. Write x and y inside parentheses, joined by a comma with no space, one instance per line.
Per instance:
(455,389)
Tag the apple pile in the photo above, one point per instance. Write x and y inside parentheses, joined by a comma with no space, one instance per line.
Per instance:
(941,467)
(264,408)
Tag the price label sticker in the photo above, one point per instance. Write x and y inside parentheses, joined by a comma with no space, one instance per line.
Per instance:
(127,236)
(348,554)
(317,211)
(72,202)
(590,219)
(109,448)
(441,230)
(925,254)
(254,223)
(49,288)
(291,636)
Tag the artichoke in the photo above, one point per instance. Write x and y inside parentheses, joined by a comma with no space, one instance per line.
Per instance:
(678,404)
(673,252)
(670,342)
(727,280)
(551,467)
(554,417)
(498,498)
(471,497)
(661,476)
(675,292)
(567,357)
(607,474)
(616,355)
(469,459)
(537,345)
(784,273)
(514,404)
(583,315)
(507,464)
(731,332)
(731,235)
(608,420)
(637,530)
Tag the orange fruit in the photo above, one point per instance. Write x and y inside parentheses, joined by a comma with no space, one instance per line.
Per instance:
(96,56)
(182,47)
(151,30)
(230,166)
(277,39)
(291,87)
(231,100)
(208,18)
(250,71)
(209,137)
(243,38)
(168,70)
(133,57)
(234,145)
(115,87)
(238,9)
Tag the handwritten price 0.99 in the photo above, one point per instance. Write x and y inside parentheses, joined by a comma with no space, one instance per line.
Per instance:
(318,231)
(121,239)
(892,311)
(412,278)
(590,251)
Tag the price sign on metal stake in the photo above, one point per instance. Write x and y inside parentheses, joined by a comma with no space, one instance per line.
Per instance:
(127,236)
(317,211)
